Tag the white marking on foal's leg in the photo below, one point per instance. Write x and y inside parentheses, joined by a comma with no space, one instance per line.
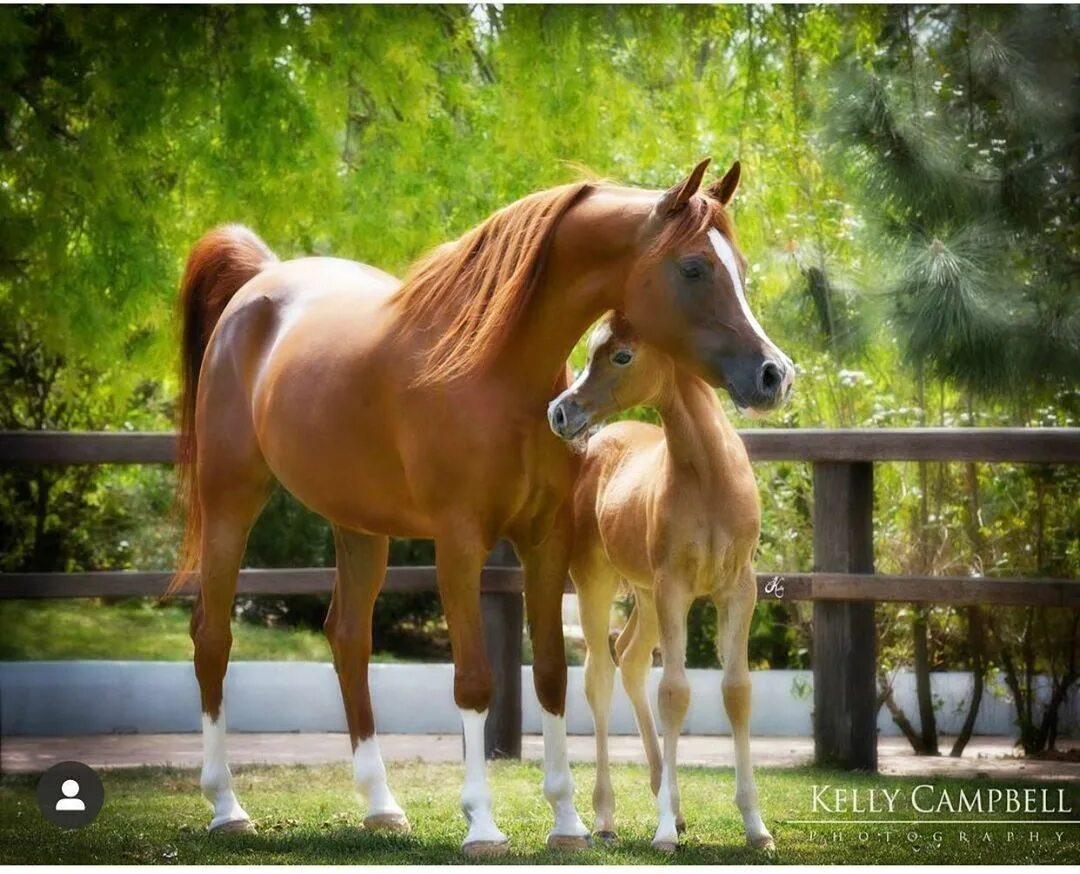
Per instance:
(476,797)
(370,775)
(746,796)
(558,782)
(216,780)
(667,828)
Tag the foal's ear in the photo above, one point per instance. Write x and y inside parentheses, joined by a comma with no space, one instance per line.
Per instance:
(724,189)
(677,197)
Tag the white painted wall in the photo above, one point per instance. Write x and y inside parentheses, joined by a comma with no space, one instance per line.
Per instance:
(97,697)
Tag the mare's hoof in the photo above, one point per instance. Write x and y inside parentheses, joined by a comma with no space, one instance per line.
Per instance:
(668,847)
(764,843)
(608,839)
(233,827)
(680,826)
(569,842)
(387,822)
(485,849)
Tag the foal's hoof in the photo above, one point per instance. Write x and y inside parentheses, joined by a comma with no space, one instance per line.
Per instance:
(667,847)
(233,827)
(680,826)
(608,839)
(764,843)
(569,842)
(387,822)
(485,849)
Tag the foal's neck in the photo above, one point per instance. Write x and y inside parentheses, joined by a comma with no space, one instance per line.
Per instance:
(696,429)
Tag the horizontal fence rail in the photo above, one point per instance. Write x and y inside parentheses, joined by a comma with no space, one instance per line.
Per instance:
(1021,445)
(843,586)
(961,591)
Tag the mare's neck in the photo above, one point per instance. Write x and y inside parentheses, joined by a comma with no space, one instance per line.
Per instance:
(697,431)
(585,275)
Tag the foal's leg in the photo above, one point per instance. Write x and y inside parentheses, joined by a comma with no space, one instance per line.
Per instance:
(674,701)
(546,566)
(596,587)
(634,649)
(229,506)
(361,569)
(736,688)
(458,561)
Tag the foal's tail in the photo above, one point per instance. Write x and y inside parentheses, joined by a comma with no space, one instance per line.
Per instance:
(221,263)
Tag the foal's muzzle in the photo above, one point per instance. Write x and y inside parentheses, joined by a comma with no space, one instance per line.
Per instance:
(567,419)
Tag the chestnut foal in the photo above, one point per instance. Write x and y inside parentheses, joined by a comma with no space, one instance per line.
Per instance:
(673,512)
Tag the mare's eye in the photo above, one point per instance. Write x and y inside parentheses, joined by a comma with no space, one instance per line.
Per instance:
(622,357)
(691,269)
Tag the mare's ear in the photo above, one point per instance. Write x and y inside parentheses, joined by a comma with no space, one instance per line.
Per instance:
(724,189)
(676,197)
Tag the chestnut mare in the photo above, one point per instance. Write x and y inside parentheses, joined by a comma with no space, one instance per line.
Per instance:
(674,513)
(418,409)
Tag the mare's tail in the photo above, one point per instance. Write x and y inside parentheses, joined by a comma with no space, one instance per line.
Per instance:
(220,264)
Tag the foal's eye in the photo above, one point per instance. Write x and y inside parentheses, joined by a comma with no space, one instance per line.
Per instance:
(622,357)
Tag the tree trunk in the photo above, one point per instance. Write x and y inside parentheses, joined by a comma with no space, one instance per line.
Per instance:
(898,715)
(923,692)
(977,644)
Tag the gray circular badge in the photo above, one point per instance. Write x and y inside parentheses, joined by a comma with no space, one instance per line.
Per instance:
(70,795)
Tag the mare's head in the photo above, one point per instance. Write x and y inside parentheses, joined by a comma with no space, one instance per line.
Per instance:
(686,294)
(621,372)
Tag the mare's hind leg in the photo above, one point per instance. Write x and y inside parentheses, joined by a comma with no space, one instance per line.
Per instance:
(736,689)
(361,569)
(596,586)
(230,502)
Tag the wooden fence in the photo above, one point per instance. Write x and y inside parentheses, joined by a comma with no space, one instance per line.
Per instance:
(843,585)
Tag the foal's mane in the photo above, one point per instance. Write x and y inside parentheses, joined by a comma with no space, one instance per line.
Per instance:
(480,285)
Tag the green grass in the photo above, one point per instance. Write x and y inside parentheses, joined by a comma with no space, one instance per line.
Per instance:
(134,630)
(310,815)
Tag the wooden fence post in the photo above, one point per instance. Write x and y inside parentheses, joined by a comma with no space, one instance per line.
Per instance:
(503,617)
(844,637)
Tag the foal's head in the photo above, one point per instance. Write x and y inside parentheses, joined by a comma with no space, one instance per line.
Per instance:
(686,294)
(621,372)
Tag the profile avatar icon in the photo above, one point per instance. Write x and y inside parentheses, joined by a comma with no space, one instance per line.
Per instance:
(70,795)
(71,800)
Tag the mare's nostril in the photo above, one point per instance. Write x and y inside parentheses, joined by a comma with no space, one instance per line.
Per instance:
(559,417)
(771,377)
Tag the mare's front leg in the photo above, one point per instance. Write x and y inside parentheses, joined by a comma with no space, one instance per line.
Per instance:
(361,569)
(672,606)
(546,566)
(459,557)
(739,606)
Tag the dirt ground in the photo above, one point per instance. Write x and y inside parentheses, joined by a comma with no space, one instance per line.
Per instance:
(984,757)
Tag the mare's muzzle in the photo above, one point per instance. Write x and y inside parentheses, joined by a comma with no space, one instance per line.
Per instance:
(758,383)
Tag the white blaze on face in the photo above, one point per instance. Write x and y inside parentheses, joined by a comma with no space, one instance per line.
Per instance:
(727,257)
